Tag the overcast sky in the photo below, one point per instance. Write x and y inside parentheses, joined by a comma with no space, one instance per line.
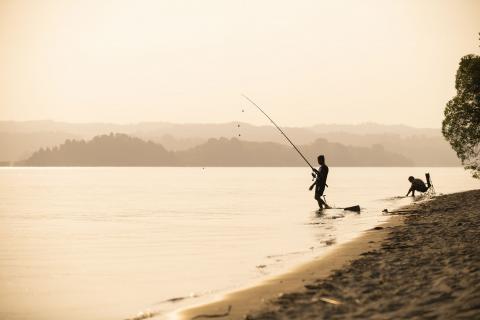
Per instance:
(305,62)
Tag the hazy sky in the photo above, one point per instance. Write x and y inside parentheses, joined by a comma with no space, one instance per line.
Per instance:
(305,62)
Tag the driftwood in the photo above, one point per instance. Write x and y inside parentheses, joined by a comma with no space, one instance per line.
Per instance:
(331,301)
(218,315)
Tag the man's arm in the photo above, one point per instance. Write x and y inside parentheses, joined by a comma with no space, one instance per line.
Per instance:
(412,190)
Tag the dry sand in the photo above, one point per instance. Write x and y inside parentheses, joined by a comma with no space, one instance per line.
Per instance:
(427,267)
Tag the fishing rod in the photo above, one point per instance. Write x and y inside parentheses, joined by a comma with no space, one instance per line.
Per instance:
(279,129)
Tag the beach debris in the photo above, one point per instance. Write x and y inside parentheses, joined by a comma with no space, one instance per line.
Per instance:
(378,228)
(311,287)
(329,300)
(144,315)
(217,315)
(404,211)
(176,299)
(385,210)
(326,300)
(329,242)
(261,266)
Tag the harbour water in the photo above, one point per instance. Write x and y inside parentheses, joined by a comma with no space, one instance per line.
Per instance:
(110,243)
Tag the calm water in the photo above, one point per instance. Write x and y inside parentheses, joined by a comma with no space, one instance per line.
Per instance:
(108,243)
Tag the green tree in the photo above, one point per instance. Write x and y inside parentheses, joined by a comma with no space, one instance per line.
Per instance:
(461,126)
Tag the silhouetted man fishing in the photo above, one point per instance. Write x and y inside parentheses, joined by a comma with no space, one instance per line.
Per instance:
(417,185)
(320,175)
(320,182)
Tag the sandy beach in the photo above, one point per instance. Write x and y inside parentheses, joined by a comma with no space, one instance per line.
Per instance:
(423,264)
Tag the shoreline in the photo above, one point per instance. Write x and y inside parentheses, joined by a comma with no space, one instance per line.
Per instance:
(239,303)
(424,262)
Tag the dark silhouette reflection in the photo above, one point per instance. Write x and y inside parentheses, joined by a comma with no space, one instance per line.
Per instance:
(320,182)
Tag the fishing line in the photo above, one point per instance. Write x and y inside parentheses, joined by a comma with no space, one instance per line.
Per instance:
(279,129)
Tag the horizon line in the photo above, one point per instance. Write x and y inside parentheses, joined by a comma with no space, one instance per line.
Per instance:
(216,123)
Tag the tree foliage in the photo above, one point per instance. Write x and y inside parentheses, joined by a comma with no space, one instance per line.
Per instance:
(461,126)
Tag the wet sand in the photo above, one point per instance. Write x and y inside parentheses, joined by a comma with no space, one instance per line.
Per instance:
(424,264)
(240,303)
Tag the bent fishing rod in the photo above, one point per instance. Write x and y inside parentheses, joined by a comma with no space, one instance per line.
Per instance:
(281,131)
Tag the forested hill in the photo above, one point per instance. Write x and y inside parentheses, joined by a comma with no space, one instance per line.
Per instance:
(123,150)
(103,150)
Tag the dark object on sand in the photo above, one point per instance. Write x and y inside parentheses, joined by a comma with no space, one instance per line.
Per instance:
(219,315)
(176,299)
(330,242)
(353,208)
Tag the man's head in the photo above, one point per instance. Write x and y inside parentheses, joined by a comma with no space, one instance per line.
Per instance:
(321,159)
(411,178)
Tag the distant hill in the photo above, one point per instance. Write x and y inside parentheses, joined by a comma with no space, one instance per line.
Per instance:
(123,150)
(423,146)
(104,150)
(234,152)
(424,150)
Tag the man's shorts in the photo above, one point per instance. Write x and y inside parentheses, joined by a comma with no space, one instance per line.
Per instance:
(319,192)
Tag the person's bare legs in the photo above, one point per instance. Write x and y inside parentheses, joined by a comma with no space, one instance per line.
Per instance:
(320,204)
(323,204)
